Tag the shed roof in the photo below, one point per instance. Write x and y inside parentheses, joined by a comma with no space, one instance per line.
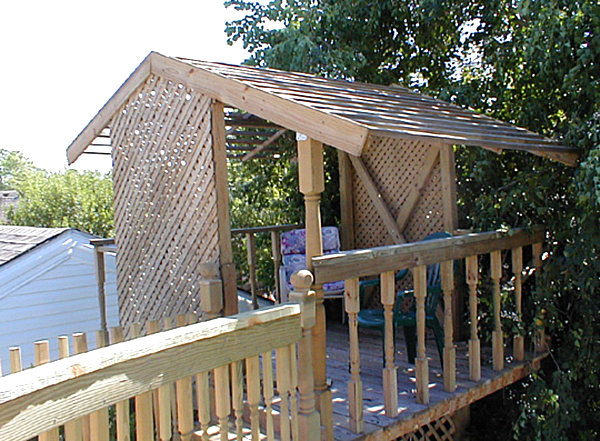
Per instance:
(337,112)
(16,240)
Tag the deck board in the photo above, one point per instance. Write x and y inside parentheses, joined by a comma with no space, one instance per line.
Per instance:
(377,425)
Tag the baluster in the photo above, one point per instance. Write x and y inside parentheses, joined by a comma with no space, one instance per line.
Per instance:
(308,417)
(168,324)
(15,360)
(355,398)
(122,407)
(42,356)
(472,270)
(517,268)
(222,400)
(267,366)
(203,397)
(183,387)
(497,337)
(276,251)
(282,356)
(99,418)
(79,347)
(422,366)
(237,397)
(390,375)
(253,384)
(447,269)
(293,391)
(144,421)
(72,428)
(161,398)
(540,341)
(251,248)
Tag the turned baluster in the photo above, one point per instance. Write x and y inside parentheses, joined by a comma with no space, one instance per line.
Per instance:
(355,393)
(497,337)
(267,366)
(253,385)
(472,270)
(183,387)
(72,428)
(422,366)
(99,418)
(390,378)
(237,395)
(447,269)
(42,356)
(222,400)
(517,268)
(540,340)
(122,407)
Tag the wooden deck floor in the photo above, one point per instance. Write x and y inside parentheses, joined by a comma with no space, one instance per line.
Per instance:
(411,415)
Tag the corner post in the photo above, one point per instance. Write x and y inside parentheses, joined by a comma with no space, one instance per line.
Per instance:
(308,417)
(312,183)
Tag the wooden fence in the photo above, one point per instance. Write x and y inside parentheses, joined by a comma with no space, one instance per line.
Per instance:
(385,261)
(214,378)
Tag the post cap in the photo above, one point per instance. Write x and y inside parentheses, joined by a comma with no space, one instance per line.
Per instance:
(302,280)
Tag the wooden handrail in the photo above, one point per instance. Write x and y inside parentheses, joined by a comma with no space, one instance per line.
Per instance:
(266,229)
(372,261)
(56,393)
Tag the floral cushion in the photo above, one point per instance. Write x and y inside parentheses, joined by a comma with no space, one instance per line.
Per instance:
(293,250)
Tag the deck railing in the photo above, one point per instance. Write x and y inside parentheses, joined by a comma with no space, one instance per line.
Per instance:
(386,261)
(221,357)
(275,232)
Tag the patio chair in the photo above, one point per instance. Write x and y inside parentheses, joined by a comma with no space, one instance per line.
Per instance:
(405,311)
(293,253)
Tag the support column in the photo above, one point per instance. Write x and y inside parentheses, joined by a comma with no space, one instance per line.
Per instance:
(312,184)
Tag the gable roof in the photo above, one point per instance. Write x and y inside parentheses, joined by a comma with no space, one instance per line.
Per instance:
(336,112)
(15,240)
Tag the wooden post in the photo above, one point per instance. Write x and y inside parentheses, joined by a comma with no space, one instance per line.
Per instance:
(447,269)
(472,276)
(162,399)
(282,369)
(312,184)
(225,250)
(355,393)
(42,356)
(15,360)
(308,417)
(497,338)
(276,250)
(72,428)
(101,280)
(237,395)
(99,418)
(203,397)
(422,366)
(183,387)
(79,347)
(222,400)
(267,366)
(122,407)
(346,201)
(211,290)
(390,372)
(517,268)
(253,388)
(293,390)
(251,249)
(144,421)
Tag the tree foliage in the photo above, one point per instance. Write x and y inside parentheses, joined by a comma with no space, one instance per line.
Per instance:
(82,200)
(533,63)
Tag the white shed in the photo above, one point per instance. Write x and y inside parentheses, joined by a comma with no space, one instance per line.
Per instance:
(48,288)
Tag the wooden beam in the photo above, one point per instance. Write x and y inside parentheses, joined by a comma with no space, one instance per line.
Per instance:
(407,208)
(330,129)
(103,117)
(61,391)
(230,299)
(359,263)
(346,201)
(376,198)
(264,145)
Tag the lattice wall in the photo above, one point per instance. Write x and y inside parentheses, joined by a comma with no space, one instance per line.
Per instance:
(393,165)
(165,201)
(439,430)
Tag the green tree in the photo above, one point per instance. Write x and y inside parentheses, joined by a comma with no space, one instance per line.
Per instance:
(13,165)
(532,63)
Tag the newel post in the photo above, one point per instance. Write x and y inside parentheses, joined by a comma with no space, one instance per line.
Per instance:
(211,290)
(308,418)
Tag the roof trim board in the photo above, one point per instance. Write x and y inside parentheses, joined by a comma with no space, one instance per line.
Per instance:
(336,112)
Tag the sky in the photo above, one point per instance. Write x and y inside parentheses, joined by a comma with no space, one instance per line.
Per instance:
(62,60)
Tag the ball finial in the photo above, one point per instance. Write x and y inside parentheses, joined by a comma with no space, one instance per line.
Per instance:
(302,280)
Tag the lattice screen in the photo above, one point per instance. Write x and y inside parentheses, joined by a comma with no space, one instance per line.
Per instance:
(439,430)
(393,165)
(165,201)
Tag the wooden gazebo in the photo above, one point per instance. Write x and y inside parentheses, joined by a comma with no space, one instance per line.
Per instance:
(175,122)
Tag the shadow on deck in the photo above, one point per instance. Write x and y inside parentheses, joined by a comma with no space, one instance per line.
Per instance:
(377,426)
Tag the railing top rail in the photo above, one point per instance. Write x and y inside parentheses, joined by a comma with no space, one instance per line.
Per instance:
(373,261)
(58,392)
(266,229)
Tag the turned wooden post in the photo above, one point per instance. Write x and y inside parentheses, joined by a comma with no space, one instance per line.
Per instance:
(472,270)
(497,337)
(422,366)
(390,378)
(183,394)
(222,400)
(540,340)
(517,268)
(211,290)
(355,392)
(312,184)
(447,269)
(268,394)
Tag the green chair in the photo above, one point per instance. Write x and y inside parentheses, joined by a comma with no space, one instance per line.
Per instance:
(406,317)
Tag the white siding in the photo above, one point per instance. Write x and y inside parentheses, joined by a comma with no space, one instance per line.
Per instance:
(51,291)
